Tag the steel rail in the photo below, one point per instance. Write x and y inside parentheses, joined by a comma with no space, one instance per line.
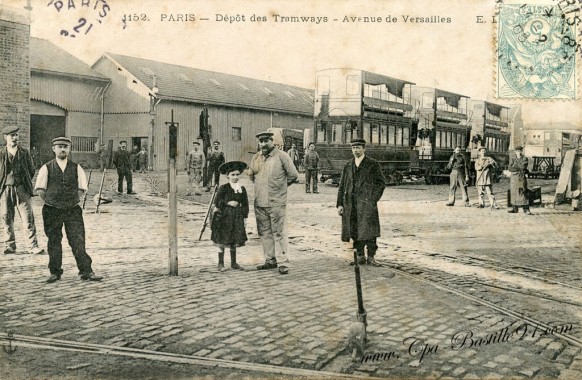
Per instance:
(65,345)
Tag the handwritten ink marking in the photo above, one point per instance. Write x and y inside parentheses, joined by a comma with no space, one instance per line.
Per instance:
(378,357)
(418,347)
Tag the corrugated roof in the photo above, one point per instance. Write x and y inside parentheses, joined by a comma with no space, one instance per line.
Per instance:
(45,56)
(190,84)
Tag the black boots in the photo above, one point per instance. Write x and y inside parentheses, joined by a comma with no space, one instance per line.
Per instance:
(233,263)
(221,261)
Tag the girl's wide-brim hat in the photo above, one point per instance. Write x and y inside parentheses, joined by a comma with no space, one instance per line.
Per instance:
(230,166)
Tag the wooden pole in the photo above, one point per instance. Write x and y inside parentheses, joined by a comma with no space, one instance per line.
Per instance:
(172,198)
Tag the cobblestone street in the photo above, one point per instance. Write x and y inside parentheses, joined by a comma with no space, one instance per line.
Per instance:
(458,296)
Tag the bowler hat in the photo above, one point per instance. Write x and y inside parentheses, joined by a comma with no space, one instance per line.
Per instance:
(10,129)
(358,142)
(230,166)
(264,134)
(62,141)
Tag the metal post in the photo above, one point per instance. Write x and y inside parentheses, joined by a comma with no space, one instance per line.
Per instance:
(361,315)
(172,197)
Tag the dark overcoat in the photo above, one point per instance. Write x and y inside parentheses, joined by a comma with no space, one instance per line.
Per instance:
(364,195)
(228,223)
(518,181)
(24,160)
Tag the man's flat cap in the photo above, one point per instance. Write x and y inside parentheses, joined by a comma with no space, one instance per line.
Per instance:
(10,129)
(123,142)
(264,134)
(519,148)
(195,143)
(358,142)
(62,141)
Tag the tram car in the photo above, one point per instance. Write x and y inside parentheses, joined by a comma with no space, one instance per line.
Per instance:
(490,129)
(444,122)
(350,104)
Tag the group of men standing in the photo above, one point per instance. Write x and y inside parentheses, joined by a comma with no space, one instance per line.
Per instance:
(196,162)
(61,185)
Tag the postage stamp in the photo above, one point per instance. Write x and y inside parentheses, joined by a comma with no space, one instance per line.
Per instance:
(537,51)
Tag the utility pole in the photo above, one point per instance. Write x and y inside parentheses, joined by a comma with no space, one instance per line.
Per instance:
(204,135)
(172,196)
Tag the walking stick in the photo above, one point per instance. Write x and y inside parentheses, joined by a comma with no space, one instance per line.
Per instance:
(100,191)
(88,183)
(208,212)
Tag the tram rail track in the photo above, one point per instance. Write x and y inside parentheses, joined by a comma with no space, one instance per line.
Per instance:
(168,357)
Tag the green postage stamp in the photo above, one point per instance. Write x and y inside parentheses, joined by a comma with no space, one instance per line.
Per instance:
(537,50)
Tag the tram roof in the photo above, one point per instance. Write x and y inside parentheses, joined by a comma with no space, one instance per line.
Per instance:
(394,85)
(451,98)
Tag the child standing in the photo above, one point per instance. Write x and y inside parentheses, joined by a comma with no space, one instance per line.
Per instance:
(231,209)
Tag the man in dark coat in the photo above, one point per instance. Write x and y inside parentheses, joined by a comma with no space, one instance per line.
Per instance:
(215,159)
(361,187)
(518,182)
(16,172)
(459,176)
(122,161)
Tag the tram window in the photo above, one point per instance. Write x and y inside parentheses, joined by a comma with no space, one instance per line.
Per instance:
(336,133)
(405,136)
(399,135)
(366,132)
(323,85)
(350,134)
(391,135)
(352,85)
(449,139)
(462,141)
(438,139)
(321,134)
(375,131)
(383,134)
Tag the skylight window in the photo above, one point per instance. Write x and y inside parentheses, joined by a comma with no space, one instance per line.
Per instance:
(267,91)
(216,82)
(243,87)
(185,78)
(289,94)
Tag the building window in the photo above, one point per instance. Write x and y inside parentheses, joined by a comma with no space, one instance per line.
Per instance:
(321,138)
(236,134)
(83,144)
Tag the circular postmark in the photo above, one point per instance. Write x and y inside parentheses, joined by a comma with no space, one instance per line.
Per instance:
(537,51)
(80,17)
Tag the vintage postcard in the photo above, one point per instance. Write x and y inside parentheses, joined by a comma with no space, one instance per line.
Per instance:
(290,189)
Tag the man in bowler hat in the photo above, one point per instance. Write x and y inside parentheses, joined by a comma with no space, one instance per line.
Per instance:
(361,187)
(61,184)
(16,172)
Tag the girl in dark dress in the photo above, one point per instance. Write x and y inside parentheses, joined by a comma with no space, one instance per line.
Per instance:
(231,209)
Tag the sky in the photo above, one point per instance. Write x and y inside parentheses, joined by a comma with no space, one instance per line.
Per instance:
(453,52)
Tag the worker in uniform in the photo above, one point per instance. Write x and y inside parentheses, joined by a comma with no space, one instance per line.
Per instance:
(459,176)
(195,162)
(215,159)
(122,161)
(61,184)
(16,172)
(518,182)
(311,165)
(484,166)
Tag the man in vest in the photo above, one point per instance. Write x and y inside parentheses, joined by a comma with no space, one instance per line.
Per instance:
(61,184)
(16,172)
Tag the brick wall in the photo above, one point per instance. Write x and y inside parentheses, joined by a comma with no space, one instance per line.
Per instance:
(15,70)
